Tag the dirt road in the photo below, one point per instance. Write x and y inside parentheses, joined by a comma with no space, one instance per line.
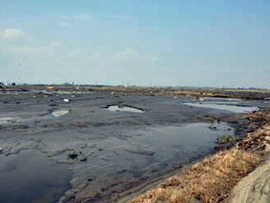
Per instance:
(253,188)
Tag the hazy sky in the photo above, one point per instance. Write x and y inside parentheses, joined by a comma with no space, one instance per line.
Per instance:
(140,42)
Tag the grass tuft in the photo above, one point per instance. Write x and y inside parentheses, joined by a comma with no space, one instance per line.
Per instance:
(227,139)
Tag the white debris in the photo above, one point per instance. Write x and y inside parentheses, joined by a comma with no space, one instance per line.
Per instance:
(66,100)
(59,113)
(116,108)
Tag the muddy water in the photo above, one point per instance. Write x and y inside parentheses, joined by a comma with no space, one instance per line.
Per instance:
(31,177)
(227,107)
(233,105)
(115,150)
(116,163)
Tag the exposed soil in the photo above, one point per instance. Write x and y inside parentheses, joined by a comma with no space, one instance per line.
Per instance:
(256,186)
(109,154)
(253,188)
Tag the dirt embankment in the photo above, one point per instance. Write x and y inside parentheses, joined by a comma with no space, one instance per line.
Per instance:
(256,186)
(253,188)
(213,179)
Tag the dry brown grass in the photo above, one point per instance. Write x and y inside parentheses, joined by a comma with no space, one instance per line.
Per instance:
(207,181)
(259,138)
(259,117)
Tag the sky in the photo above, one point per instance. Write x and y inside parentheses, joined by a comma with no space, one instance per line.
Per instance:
(136,42)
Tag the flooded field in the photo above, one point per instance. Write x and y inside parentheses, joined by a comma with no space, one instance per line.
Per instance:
(101,147)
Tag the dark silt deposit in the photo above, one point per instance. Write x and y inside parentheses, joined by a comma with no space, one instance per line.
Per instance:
(95,146)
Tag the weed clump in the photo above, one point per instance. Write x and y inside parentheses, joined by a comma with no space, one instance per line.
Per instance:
(227,139)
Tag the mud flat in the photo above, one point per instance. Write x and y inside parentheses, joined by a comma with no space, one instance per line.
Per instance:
(103,144)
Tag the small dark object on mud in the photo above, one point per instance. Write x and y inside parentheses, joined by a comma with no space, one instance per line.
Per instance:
(72,154)
(212,127)
(82,157)
(53,105)
(177,166)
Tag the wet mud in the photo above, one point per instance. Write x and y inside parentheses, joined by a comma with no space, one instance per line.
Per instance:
(98,154)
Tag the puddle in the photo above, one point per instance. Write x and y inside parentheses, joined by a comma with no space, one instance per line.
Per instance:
(139,155)
(163,143)
(59,113)
(31,177)
(116,108)
(222,99)
(166,141)
(224,106)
